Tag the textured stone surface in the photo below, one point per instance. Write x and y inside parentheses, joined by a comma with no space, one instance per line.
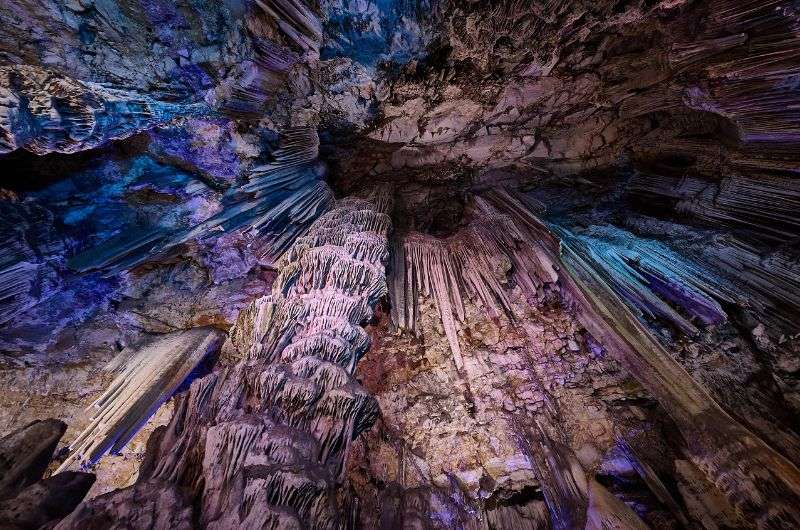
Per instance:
(28,501)
(585,315)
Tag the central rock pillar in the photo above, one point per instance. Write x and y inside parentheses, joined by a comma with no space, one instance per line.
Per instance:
(262,442)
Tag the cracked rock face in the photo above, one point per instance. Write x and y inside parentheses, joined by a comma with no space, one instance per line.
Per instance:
(435,264)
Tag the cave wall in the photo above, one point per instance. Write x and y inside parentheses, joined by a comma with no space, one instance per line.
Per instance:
(590,317)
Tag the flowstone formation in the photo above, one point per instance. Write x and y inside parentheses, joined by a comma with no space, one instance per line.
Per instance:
(431,264)
(261,444)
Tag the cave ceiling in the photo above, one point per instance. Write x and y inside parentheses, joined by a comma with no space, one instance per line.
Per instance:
(378,264)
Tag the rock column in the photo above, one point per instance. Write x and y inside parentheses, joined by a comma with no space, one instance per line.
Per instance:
(262,442)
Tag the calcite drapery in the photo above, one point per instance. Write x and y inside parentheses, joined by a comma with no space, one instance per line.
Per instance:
(261,444)
(147,378)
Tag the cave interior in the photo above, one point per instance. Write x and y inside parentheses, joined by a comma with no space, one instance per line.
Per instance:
(400,264)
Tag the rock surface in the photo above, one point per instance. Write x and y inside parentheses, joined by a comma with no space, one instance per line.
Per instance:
(400,264)
(27,501)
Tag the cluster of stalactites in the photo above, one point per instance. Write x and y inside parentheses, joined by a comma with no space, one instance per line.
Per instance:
(652,279)
(610,291)
(751,265)
(758,481)
(278,203)
(476,262)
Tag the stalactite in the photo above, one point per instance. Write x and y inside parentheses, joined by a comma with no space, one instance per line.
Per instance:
(278,203)
(281,198)
(296,20)
(262,443)
(742,266)
(147,378)
(751,83)
(554,96)
(653,279)
(765,207)
(755,478)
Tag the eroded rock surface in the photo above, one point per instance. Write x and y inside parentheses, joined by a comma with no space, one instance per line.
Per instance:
(400,264)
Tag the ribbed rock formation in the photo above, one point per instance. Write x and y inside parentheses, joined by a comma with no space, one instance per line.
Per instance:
(45,112)
(261,444)
(277,203)
(28,256)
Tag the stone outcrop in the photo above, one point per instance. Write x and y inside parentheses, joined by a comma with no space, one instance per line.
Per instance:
(26,500)
(26,454)
(270,433)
